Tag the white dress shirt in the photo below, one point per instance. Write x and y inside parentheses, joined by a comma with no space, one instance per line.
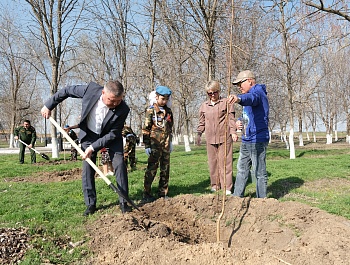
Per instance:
(96,116)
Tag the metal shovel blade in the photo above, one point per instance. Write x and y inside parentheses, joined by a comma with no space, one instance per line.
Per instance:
(36,151)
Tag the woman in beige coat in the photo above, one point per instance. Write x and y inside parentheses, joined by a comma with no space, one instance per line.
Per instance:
(217,117)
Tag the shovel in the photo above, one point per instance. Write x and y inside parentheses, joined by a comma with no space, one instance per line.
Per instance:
(108,182)
(36,151)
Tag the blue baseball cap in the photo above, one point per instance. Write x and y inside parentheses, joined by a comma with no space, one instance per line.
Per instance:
(163,90)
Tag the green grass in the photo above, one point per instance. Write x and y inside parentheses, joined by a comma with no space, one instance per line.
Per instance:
(53,211)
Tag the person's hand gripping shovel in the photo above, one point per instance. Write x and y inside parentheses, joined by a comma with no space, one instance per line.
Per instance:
(36,151)
(92,164)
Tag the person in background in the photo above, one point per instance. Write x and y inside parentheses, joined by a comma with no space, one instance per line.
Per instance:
(217,120)
(106,162)
(102,119)
(73,135)
(27,134)
(255,136)
(131,139)
(157,137)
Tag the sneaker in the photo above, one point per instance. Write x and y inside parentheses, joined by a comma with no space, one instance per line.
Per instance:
(228,192)
(213,190)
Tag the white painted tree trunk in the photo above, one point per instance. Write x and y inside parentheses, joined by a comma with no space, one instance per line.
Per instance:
(301,140)
(12,141)
(336,136)
(187,144)
(291,144)
(55,153)
(191,138)
(308,136)
(329,138)
(284,137)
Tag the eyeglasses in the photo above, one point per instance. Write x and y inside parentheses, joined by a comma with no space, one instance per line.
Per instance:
(240,83)
(212,93)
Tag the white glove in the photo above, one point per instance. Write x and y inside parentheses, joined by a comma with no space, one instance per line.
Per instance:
(171,148)
(148,151)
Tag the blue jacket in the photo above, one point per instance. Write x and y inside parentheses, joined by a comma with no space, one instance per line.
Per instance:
(256,112)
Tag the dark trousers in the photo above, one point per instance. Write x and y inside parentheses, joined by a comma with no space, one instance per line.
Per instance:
(88,176)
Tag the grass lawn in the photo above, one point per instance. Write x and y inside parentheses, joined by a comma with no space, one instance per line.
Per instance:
(53,210)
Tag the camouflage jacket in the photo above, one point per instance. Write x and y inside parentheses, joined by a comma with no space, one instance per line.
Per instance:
(158,126)
(130,137)
(26,135)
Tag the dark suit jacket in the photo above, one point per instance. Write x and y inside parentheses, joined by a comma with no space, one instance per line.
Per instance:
(111,131)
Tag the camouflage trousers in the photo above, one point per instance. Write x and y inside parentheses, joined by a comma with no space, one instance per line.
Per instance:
(73,154)
(129,156)
(158,158)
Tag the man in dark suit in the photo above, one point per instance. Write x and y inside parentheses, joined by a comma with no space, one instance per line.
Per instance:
(102,120)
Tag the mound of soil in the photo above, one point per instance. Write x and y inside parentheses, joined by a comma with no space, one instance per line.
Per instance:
(184,230)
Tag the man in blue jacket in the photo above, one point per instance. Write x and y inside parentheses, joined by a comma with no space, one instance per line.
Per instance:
(102,119)
(255,133)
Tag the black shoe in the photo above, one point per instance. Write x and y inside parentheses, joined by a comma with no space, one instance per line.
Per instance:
(21,162)
(148,198)
(90,210)
(124,207)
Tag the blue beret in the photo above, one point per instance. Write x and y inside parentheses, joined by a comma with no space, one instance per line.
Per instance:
(66,126)
(163,90)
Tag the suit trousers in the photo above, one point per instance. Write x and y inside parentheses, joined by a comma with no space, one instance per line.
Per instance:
(216,160)
(88,176)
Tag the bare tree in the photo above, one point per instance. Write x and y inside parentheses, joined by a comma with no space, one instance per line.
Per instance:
(20,95)
(55,26)
(202,16)
(292,21)
(338,8)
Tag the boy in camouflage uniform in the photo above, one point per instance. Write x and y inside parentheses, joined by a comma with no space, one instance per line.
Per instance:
(130,145)
(157,137)
(27,134)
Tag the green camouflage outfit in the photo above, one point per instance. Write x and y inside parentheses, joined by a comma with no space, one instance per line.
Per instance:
(73,151)
(29,137)
(157,135)
(130,146)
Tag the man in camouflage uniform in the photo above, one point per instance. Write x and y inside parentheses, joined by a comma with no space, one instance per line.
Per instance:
(27,134)
(157,137)
(131,140)
(74,137)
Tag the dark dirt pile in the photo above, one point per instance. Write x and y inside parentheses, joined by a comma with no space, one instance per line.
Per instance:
(13,244)
(183,230)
